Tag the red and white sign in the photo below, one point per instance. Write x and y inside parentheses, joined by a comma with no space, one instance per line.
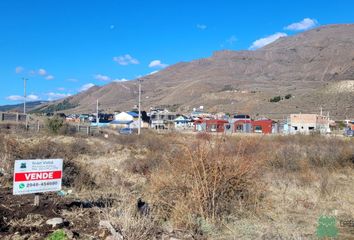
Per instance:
(38,175)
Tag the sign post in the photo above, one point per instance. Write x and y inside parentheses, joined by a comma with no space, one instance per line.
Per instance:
(36,200)
(37,176)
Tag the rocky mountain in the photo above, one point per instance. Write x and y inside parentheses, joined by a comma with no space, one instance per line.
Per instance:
(312,69)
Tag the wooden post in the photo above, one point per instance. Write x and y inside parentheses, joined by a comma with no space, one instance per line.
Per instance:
(17,116)
(37,126)
(36,199)
(88,130)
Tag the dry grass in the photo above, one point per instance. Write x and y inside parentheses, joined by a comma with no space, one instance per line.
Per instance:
(203,182)
(12,148)
(307,156)
(130,224)
(209,186)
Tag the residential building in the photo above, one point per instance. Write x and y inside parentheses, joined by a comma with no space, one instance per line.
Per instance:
(183,123)
(309,123)
(122,120)
(262,126)
(242,125)
(162,120)
(210,125)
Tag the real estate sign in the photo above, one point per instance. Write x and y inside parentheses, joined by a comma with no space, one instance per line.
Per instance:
(38,175)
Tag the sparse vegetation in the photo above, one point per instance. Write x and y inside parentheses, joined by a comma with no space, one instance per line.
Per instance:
(203,180)
(64,105)
(57,235)
(288,96)
(227,87)
(275,99)
(170,107)
(54,124)
(201,187)
(279,98)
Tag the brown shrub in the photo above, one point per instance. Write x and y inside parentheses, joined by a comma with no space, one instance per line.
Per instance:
(74,175)
(126,140)
(143,165)
(130,224)
(206,181)
(203,136)
(67,129)
(314,151)
(150,151)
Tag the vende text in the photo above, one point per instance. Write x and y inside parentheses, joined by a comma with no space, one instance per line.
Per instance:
(37,176)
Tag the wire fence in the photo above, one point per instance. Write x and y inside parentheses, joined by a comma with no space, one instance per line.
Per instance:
(19,121)
(13,117)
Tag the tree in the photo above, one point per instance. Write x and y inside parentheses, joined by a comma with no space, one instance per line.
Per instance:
(54,124)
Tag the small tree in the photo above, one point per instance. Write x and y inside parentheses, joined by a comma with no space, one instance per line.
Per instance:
(54,124)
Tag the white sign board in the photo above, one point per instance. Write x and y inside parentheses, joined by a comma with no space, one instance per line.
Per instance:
(38,175)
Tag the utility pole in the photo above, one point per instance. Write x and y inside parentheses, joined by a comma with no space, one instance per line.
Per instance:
(97,119)
(139,107)
(24,95)
(24,101)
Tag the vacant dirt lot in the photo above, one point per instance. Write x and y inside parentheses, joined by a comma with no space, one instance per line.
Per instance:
(183,186)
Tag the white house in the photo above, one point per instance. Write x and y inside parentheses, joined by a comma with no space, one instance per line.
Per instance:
(122,120)
(183,122)
(308,123)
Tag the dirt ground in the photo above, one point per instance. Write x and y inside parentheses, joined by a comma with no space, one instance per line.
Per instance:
(19,216)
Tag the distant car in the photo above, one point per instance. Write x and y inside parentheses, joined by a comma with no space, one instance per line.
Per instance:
(349,133)
(126,131)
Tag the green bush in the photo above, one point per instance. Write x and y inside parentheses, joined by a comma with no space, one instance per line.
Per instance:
(288,96)
(275,99)
(227,87)
(54,124)
(57,235)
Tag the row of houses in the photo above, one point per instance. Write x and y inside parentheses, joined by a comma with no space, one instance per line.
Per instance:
(200,121)
(164,120)
(296,123)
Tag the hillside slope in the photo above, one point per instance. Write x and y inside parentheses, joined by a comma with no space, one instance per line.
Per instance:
(19,107)
(310,66)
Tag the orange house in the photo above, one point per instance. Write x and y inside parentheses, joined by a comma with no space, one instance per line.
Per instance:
(210,125)
(262,126)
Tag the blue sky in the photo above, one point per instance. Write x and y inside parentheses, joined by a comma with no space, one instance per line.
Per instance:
(64,47)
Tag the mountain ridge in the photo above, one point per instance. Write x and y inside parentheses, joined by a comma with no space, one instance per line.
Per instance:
(303,65)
